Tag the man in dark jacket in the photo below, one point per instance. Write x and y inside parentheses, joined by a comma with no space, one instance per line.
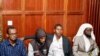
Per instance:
(59,45)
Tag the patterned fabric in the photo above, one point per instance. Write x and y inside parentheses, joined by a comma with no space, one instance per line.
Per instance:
(6,49)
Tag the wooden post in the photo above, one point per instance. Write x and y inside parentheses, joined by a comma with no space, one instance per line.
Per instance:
(1,22)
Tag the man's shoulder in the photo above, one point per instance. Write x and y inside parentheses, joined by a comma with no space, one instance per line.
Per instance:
(78,37)
(33,41)
(50,36)
(65,38)
(20,42)
(4,42)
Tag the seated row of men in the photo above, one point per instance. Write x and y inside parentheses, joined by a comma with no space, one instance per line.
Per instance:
(44,44)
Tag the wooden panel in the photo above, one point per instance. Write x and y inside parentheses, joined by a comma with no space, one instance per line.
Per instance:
(44,13)
(55,5)
(0,5)
(34,5)
(11,4)
(20,12)
(76,16)
(16,22)
(73,23)
(0,21)
(75,5)
(52,20)
(32,22)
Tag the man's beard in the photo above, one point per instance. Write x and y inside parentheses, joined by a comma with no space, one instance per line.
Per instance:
(58,35)
(13,40)
(88,36)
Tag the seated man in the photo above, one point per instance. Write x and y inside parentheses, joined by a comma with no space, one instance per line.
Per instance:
(43,43)
(84,42)
(12,46)
(59,44)
(38,46)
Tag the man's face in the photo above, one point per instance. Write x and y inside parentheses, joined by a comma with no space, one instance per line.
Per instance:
(12,34)
(58,30)
(42,39)
(88,31)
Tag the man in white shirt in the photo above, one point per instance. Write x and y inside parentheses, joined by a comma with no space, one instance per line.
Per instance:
(56,48)
(60,45)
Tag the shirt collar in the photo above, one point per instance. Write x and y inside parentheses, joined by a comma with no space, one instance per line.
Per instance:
(8,43)
(55,38)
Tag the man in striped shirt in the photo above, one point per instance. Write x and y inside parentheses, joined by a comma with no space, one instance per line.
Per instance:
(12,46)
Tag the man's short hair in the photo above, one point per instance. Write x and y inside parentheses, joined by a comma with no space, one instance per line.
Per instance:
(10,27)
(57,26)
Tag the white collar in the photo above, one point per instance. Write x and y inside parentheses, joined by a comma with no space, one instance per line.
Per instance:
(55,38)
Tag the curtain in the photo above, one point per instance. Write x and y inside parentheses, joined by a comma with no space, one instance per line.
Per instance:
(94,17)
